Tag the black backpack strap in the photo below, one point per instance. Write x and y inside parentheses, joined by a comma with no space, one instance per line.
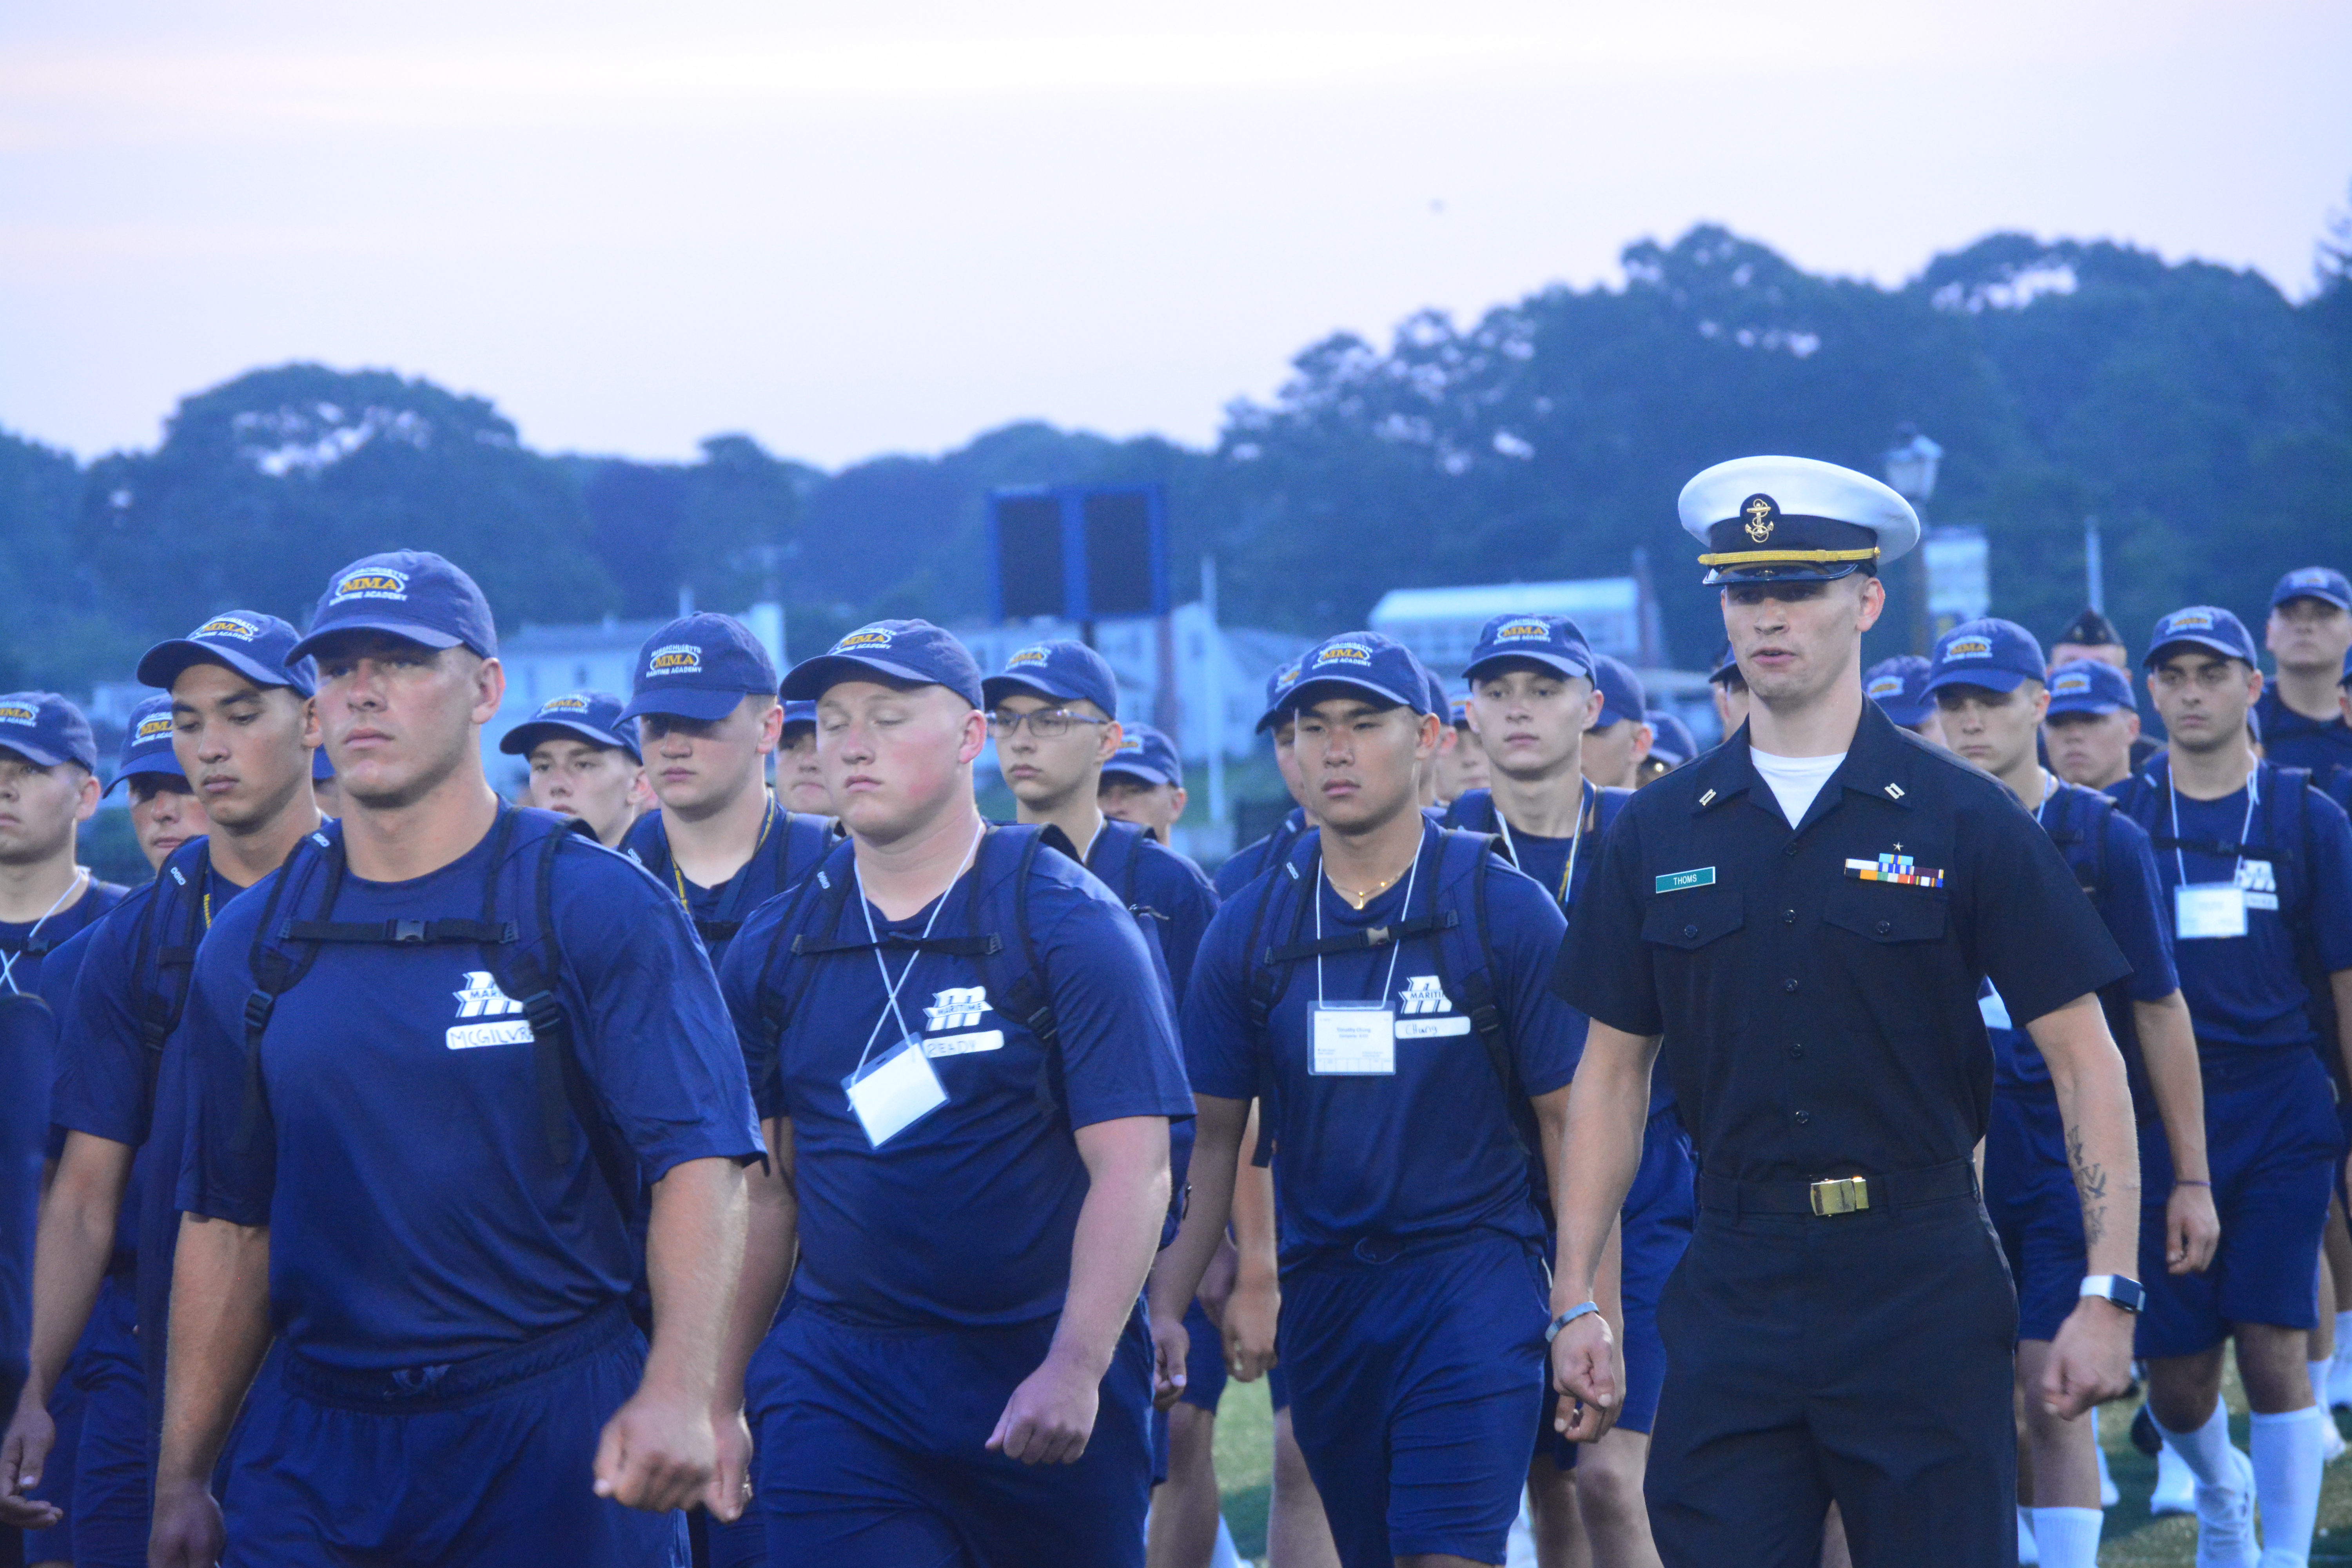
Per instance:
(1266,982)
(275,972)
(1026,996)
(163,959)
(831,883)
(1475,985)
(530,980)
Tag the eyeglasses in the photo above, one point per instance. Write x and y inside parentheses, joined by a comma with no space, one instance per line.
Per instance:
(1046,723)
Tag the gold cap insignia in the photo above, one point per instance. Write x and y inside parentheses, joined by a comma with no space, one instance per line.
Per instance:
(1761,513)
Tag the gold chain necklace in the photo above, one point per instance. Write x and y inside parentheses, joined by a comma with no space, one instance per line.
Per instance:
(1357,900)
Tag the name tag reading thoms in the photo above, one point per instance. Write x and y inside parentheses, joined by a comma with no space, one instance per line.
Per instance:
(2202,909)
(1352,1040)
(894,1091)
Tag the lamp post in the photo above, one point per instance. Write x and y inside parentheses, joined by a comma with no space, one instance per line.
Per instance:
(1910,468)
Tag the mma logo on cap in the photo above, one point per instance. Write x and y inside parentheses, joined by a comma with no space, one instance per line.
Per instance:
(17,713)
(1969,647)
(2188,621)
(1288,675)
(1761,513)
(152,728)
(2075,685)
(1344,653)
(377,583)
(1131,743)
(677,658)
(235,626)
(867,638)
(2309,577)
(576,703)
(1523,631)
(1036,653)
(1885,686)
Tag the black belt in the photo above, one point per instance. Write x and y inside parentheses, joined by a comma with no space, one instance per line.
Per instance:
(1833,1195)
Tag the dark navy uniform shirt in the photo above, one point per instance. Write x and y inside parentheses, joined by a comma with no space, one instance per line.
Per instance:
(403,1168)
(28,944)
(2250,991)
(1247,862)
(2292,740)
(792,844)
(1817,987)
(966,1216)
(1429,1151)
(1167,889)
(2138,912)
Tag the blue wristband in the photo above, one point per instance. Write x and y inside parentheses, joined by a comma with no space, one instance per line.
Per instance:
(1581,1309)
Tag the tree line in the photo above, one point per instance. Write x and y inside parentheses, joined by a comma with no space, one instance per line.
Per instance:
(2204,417)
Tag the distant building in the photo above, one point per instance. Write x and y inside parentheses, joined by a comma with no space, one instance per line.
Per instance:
(1441,624)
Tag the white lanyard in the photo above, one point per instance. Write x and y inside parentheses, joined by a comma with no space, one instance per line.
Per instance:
(891,988)
(2172,799)
(8,960)
(1585,796)
(2049,788)
(1395,949)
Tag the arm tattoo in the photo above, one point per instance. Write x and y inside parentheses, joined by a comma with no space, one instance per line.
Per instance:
(2091,1183)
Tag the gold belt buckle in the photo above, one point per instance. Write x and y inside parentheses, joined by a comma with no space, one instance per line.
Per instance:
(1841,1195)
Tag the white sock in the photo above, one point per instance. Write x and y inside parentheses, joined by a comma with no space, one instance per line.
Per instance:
(2068,1537)
(2028,1553)
(2286,1485)
(2206,1451)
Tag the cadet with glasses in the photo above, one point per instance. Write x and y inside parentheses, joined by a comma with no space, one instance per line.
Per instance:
(436,1068)
(963,1059)
(583,763)
(1385,982)
(1986,680)
(1804,916)
(2257,871)
(706,709)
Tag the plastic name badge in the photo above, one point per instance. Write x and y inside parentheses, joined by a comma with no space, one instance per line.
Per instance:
(1353,1039)
(2203,909)
(894,1091)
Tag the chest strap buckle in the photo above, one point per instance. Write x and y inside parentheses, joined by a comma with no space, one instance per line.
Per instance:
(1841,1195)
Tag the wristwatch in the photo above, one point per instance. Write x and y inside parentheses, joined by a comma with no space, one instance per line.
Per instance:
(2122,1289)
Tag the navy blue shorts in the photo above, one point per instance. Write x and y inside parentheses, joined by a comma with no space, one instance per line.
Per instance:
(1277,1381)
(1204,1367)
(2272,1138)
(492,1467)
(68,1400)
(2030,1192)
(1660,1209)
(113,1484)
(873,1454)
(1416,1387)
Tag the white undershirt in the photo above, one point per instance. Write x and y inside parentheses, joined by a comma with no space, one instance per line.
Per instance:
(1795,779)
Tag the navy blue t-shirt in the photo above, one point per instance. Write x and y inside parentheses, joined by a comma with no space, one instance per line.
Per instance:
(2139,913)
(792,844)
(420,1219)
(967,1215)
(2249,991)
(1178,896)
(2294,740)
(1429,1151)
(26,946)
(1251,858)
(104,1068)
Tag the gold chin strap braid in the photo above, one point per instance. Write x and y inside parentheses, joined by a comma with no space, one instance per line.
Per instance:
(1786,557)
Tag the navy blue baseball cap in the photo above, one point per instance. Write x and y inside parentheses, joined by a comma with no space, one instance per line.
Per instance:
(45,730)
(1551,642)
(1458,707)
(2200,625)
(1146,753)
(1359,664)
(699,666)
(1060,671)
(1278,687)
(1439,703)
(1899,685)
(1622,696)
(799,714)
(2090,686)
(1673,742)
(591,716)
(255,646)
(1727,667)
(2322,582)
(1991,653)
(147,743)
(411,594)
(901,653)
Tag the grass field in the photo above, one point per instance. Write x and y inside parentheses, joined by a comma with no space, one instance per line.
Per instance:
(2134,1540)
